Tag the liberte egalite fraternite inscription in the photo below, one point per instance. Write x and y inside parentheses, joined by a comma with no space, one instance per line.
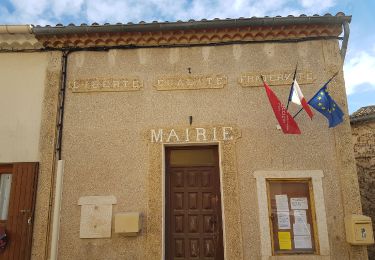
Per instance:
(252,79)
(106,85)
(191,82)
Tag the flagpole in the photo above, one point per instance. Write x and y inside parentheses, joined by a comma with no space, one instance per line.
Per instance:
(299,111)
(334,75)
(291,88)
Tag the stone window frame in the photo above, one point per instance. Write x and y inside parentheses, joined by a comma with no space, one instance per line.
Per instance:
(316,177)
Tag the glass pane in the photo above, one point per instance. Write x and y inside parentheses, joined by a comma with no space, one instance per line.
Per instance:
(192,157)
(291,217)
(5,185)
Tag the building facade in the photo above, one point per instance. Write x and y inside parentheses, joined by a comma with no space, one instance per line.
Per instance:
(363,128)
(158,141)
(27,138)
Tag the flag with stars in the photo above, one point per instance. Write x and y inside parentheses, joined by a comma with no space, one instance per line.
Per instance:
(323,103)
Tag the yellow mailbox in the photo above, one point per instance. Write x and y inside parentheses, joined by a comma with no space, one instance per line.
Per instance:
(128,223)
(359,230)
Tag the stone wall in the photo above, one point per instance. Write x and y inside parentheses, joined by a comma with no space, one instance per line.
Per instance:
(364,151)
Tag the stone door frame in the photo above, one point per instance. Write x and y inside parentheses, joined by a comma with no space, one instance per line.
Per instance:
(231,210)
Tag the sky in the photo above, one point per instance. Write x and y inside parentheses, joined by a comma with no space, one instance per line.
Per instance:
(359,66)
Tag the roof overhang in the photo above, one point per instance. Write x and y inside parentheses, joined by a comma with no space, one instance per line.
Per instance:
(192,32)
(18,37)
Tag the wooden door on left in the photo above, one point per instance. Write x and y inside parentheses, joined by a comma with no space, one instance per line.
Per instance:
(18,184)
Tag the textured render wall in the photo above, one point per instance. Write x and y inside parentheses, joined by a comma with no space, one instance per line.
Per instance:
(42,217)
(364,152)
(22,78)
(106,153)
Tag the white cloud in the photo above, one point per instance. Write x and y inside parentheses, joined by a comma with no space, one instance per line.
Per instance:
(71,7)
(60,11)
(360,70)
(317,5)
(31,7)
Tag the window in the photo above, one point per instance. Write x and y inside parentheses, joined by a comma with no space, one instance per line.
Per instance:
(5,185)
(292,216)
(6,178)
(193,156)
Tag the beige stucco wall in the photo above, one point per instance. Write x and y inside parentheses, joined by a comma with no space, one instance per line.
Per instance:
(22,78)
(29,87)
(107,153)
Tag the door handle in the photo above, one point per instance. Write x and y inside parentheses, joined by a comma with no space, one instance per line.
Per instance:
(29,220)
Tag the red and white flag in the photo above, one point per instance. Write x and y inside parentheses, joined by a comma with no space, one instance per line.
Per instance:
(286,121)
(299,99)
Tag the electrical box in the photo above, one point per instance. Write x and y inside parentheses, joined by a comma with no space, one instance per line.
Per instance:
(359,230)
(128,224)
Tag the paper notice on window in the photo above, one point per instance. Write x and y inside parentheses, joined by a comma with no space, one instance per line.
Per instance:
(282,203)
(300,216)
(301,229)
(299,203)
(302,242)
(283,220)
(285,243)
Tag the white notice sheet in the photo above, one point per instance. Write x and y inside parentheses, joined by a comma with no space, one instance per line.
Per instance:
(302,242)
(283,220)
(300,216)
(282,202)
(301,229)
(299,203)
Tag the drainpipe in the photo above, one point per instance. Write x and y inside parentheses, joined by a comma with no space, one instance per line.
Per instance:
(345,40)
(56,210)
(60,123)
(60,163)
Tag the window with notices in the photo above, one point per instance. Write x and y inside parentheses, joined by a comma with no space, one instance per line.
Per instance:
(292,216)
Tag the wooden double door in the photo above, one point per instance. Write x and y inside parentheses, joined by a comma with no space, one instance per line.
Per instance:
(18,182)
(193,204)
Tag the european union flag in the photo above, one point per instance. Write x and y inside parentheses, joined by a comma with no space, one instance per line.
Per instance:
(323,103)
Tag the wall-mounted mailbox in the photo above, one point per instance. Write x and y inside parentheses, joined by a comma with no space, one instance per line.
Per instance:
(359,230)
(128,223)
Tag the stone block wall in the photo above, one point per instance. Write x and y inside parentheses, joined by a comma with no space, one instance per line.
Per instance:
(364,151)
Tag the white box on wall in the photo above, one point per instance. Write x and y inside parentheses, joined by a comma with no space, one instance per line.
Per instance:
(96,216)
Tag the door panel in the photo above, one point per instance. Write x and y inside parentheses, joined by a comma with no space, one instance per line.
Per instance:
(193,212)
(21,209)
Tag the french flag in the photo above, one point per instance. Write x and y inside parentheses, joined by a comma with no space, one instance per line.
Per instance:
(297,97)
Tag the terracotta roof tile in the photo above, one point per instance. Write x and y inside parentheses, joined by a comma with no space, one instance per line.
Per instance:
(204,19)
(192,32)
(363,114)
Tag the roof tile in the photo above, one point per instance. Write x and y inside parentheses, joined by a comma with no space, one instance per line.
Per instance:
(203,19)
(363,114)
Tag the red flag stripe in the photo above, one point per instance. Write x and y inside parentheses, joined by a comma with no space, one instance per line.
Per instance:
(307,108)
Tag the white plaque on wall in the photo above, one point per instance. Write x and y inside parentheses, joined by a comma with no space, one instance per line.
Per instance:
(96,216)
